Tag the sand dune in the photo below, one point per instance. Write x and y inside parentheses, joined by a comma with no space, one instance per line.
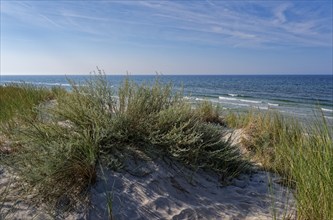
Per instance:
(164,189)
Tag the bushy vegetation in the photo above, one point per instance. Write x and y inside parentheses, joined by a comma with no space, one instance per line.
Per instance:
(302,155)
(59,152)
(209,113)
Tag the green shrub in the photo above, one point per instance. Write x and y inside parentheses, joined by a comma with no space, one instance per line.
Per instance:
(158,119)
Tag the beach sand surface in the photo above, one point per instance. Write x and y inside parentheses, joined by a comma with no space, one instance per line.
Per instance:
(161,188)
(164,189)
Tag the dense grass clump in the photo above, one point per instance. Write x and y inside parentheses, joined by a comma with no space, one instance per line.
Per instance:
(92,123)
(19,99)
(155,118)
(59,151)
(311,168)
(209,113)
(303,155)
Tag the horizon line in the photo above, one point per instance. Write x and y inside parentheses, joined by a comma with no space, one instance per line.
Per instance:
(173,74)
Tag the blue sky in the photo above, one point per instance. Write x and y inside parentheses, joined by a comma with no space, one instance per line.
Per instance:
(171,37)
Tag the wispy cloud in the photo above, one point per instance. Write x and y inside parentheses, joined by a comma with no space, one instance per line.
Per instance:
(239,23)
(279,13)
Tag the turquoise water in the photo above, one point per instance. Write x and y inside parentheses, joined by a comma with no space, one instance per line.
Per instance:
(301,96)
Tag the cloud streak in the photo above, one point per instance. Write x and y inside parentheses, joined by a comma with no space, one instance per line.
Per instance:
(212,23)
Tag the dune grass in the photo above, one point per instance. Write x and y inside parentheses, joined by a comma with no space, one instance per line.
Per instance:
(302,155)
(93,123)
(19,99)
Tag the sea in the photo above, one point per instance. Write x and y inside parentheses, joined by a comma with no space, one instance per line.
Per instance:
(300,96)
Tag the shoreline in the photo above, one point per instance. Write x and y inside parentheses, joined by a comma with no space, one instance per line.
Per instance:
(300,106)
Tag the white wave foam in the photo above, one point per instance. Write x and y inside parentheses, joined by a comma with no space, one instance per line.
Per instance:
(53,84)
(272,104)
(233,95)
(328,117)
(199,99)
(226,98)
(251,101)
(327,110)
(232,103)
(5,81)
(239,100)
(263,107)
(38,83)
